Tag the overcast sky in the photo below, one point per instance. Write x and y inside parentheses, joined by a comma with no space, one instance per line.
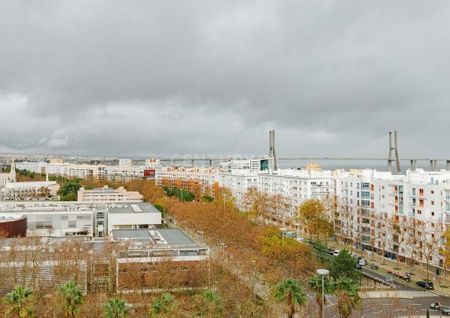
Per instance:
(135,78)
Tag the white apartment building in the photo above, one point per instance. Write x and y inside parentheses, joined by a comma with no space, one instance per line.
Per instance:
(29,190)
(239,176)
(108,195)
(61,219)
(192,179)
(152,163)
(64,169)
(400,216)
(239,182)
(295,186)
(127,171)
(8,177)
(251,165)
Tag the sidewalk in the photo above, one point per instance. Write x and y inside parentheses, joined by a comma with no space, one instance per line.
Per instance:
(384,264)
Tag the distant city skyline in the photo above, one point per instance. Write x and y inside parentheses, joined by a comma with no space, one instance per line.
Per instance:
(150,78)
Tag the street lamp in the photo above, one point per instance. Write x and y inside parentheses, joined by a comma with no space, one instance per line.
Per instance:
(323,272)
(222,245)
(224,197)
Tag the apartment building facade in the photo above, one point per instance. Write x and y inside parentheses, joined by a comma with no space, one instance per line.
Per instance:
(108,195)
(33,190)
(64,169)
(401,217)
(195,179)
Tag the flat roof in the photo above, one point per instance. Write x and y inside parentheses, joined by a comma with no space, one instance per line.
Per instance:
(138,207)
(154,236)
(175,237)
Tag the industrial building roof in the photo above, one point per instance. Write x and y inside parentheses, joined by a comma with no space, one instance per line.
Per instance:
(153,236)
(139,207)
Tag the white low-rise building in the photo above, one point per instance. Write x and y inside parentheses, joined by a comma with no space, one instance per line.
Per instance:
(30,190)
(60,219)
(9,176)
(108,195)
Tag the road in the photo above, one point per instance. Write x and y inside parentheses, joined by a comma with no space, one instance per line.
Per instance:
(384,308)
(411,302)
(398,285)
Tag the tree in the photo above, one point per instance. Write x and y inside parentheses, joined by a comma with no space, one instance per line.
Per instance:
(72,297)
(115,308)
(446,249)
(346,291)
(344,265)
(409,239)
(162,305)
(430,235)
(312,215)
(18,301)
(208,303)
(69,190)
(315,283)
(292,292)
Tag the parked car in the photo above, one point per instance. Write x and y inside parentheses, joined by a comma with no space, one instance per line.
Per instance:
(389,278)
(362,262)
(336,252)
(425,284)
(406,277)
(436,305)
(446,310)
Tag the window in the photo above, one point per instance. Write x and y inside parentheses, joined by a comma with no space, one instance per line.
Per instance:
(40,225)
(72,224)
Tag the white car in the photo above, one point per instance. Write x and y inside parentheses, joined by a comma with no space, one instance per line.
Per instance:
(336,252)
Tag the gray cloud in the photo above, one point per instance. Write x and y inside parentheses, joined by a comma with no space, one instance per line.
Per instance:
(202,77)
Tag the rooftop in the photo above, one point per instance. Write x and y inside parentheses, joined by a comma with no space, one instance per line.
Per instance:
(154,236)
(139,207)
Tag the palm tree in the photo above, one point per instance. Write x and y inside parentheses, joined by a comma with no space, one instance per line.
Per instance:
(72,296)
(315,283)
(347,296)
(17,300)
(291,291)
(162,305)
(115,308)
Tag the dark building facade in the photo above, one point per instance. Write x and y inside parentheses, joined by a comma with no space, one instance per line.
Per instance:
(13,227)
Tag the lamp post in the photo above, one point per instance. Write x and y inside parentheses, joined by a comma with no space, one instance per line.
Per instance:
(323,272)
(254,277)
(224,196)
(222,245)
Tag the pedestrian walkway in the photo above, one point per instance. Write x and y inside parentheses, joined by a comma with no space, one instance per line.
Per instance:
(400,294)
